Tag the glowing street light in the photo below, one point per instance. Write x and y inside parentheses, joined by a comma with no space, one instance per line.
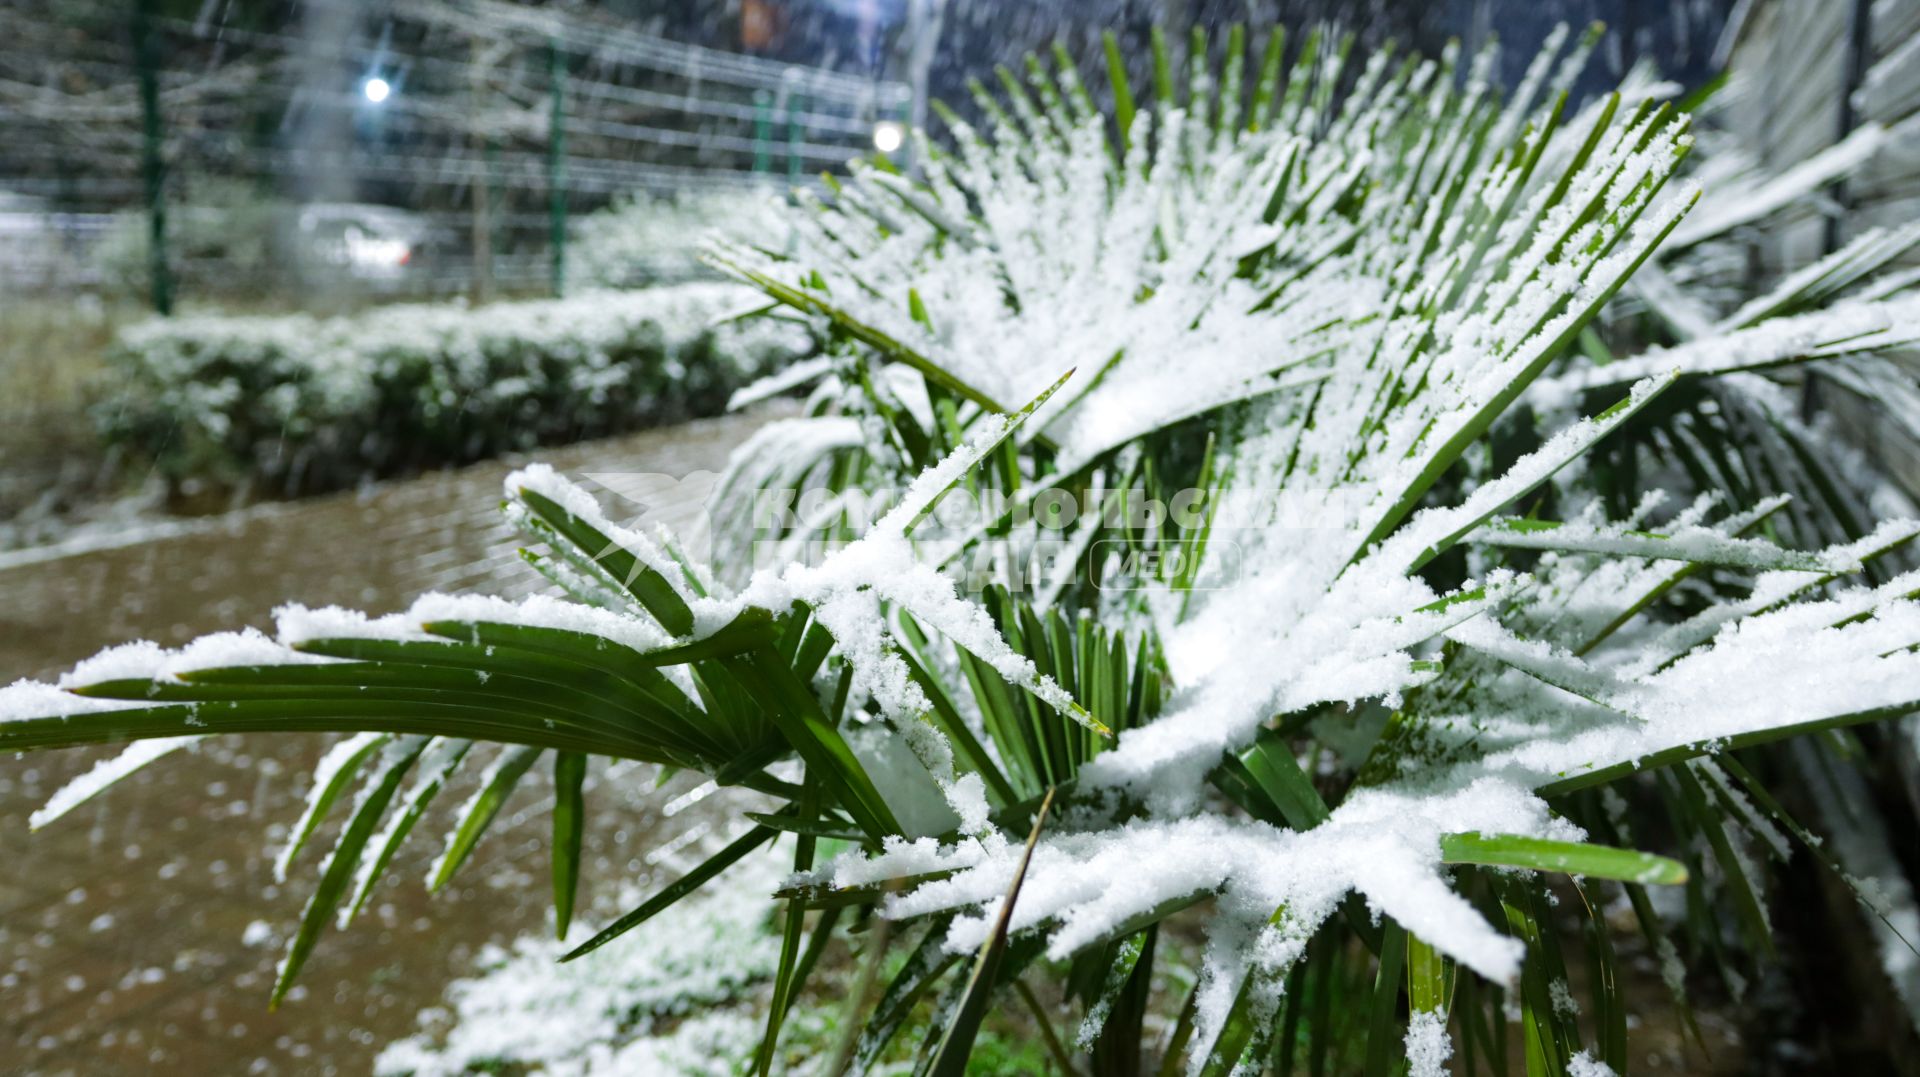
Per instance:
(888,136)
(376,90)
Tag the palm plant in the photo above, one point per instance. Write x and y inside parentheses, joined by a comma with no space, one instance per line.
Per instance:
(1462,601)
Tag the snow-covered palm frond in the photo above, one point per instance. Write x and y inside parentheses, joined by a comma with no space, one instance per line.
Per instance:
(1431,613)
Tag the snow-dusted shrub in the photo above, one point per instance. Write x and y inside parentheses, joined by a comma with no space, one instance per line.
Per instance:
(1227,512)
(302,403)
(643,239)
(226,239)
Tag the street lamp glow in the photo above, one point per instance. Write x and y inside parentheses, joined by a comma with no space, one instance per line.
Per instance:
(888,136)
(376,90)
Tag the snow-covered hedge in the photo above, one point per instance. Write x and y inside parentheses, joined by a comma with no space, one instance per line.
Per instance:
(296,403)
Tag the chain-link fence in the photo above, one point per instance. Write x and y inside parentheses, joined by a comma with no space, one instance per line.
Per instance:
(292,154)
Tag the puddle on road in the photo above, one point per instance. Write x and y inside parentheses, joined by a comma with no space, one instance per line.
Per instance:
(143,930)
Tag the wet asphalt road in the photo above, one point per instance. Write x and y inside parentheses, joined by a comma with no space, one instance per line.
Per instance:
(141,932)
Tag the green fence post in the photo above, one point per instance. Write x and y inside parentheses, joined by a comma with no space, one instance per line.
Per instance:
(557,165)
(903,115)
(796,102)
(480,191)
(152,164)
(762,130)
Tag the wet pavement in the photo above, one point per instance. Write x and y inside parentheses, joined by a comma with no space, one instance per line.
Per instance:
(141,932)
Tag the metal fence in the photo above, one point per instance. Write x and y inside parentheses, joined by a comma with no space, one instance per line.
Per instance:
(413,147)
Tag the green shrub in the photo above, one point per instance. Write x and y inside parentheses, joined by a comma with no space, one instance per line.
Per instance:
(227,239)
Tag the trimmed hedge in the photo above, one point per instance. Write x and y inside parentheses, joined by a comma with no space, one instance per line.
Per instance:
(296,404)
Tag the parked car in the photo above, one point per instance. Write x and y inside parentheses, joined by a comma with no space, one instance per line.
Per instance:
(365,242)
